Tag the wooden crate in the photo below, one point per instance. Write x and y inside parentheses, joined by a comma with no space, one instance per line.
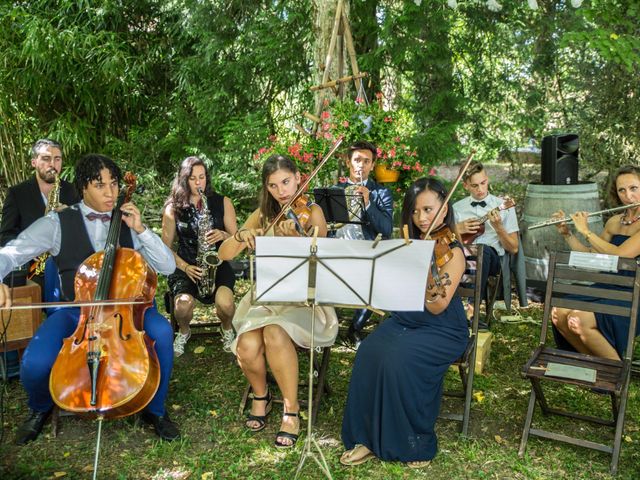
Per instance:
(484,349)
(20,325)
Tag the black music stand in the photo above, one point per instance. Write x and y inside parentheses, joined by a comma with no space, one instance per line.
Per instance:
(333,201)
(319,272)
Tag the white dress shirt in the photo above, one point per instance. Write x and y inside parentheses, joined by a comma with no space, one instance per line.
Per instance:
(44,235)
(463,210)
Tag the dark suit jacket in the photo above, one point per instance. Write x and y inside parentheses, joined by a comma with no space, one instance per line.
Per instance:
(24,205)
(378,217)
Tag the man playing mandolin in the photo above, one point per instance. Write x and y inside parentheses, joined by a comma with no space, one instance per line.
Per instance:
(488,218)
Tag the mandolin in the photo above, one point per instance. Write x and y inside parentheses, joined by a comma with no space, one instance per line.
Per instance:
(469,238)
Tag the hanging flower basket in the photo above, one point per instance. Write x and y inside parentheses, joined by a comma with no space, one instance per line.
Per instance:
(386,175)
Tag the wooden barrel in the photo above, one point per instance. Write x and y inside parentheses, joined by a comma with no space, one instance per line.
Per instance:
(540,202)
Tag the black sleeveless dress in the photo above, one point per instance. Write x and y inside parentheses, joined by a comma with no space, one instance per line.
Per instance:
(396,384)
(187,232)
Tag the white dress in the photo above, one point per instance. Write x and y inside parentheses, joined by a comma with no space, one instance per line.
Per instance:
(296,320)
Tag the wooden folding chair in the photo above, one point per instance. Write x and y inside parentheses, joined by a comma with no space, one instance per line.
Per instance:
(470,287)
(320,386)
(612,376)
(494,283)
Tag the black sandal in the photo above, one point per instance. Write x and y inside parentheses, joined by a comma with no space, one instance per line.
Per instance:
(261,419)
(291,436)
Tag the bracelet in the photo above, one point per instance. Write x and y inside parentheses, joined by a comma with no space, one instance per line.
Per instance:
(586,237)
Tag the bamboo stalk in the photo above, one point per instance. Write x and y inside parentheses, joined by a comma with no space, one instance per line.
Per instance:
(312,117)
(333,83)
(352,51)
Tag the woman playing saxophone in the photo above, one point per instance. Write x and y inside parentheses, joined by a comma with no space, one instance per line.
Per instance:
(199,222)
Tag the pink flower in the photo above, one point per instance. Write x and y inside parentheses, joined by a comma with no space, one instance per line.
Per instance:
(272,138)
(306,157)
(345,124)
(388,119)
(433,172)
(396,163)
(325,115)
(342,180)
(406,167)
(392,152)
(359,100)
(327,136)
(379,152)
(326,126)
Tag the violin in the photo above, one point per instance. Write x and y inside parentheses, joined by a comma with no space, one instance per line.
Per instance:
(108,367)
(442,253)
(443,236)
(300,213)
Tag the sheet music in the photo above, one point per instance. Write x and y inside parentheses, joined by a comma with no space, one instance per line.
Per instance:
(387,277)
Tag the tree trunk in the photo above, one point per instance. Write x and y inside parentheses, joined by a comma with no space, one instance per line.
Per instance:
(325,13)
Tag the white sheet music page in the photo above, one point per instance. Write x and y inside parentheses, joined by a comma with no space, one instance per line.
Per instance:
(598,262)
(275,258)
(349,272)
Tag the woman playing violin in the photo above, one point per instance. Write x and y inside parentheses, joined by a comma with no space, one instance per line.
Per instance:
(270,333)
(396,384)
(602,334)
(71,236)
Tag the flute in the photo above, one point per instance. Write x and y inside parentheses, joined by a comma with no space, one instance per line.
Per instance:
(591,214)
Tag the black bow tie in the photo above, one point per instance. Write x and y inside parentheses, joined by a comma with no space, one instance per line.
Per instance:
(481,203)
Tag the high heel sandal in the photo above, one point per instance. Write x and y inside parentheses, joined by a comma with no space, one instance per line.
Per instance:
(291,436)
(260,419)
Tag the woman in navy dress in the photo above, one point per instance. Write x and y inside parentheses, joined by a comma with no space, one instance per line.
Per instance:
(396,385)
(602,334)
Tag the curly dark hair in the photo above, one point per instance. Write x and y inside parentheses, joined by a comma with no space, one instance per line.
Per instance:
(88,169)
(409,204)
(180,191)
(613,189)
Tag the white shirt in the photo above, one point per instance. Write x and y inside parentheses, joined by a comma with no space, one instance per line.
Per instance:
(463,210)
(44,235)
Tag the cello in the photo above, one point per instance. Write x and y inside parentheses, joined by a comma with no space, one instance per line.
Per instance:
(108,367)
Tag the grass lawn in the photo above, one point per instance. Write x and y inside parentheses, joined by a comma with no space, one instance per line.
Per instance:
(205,393)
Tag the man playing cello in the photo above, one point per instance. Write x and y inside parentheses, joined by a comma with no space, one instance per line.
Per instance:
(71,236)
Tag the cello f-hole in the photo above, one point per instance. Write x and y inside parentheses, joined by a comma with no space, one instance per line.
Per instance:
(77,341)
(119,319)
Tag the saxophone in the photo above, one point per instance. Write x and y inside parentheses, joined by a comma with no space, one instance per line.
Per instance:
(53,202)
(207,258)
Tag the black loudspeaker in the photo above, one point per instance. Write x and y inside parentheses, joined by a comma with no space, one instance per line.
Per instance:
(560,159)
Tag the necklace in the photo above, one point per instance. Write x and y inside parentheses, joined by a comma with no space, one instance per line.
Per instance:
(629,222)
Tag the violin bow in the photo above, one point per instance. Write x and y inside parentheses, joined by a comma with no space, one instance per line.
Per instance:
(453,188)
(304,184)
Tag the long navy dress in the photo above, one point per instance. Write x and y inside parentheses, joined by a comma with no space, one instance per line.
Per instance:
(396,384)
(613,327)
